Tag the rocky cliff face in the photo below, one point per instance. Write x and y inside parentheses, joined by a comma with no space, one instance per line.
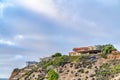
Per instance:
(14,73)
(82,69)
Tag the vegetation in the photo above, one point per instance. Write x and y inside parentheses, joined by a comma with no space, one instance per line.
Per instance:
(47,64)
(62,60)
(52,75)
(106,71)
(59,61)
(57,55)
(104,55)
(116,69)
(107,49)
(84,56)
(73,58)
(100,47)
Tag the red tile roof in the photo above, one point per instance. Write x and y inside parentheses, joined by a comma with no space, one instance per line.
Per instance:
(82,48)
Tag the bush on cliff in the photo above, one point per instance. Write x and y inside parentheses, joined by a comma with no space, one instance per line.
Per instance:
(57,55)
(52,75)
(107,50)
(59,61)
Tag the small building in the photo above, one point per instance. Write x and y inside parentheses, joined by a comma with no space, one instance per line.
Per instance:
(30,63)
(85,50)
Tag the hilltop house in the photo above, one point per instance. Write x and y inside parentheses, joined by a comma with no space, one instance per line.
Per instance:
(85,50)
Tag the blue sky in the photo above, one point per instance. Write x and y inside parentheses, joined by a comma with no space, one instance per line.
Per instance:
(30,29)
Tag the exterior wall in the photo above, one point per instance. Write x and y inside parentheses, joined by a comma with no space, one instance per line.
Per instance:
(74,54)
(92,48)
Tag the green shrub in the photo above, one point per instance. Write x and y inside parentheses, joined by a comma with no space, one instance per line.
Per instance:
(57,55)
(103,55)
(73,58)
(52,75)
(59,61)
(108,49)
(116,69)
(84,56)
(105,65)
(48,64)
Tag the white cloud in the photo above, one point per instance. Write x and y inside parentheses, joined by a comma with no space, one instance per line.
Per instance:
(7,42)
(49,8)
(64,16)
(19,37)
(41,6)
(12,41)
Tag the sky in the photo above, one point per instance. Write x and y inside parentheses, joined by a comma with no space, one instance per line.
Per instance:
(32,29)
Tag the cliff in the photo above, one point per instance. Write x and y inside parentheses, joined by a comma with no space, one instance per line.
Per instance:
(15,73)
(84,67)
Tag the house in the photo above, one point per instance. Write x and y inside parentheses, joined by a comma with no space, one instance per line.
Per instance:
(85,50)
(30,63)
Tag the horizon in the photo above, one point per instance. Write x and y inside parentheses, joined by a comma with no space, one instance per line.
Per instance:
(30,29)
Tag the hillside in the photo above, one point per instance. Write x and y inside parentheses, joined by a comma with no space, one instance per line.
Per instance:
(104,65)
(73,68)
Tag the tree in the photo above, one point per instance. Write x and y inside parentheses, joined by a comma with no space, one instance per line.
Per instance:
(52,75)
(100,47)
(108,49)
(57,55)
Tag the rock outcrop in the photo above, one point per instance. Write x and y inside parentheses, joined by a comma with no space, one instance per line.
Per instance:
(14,73)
